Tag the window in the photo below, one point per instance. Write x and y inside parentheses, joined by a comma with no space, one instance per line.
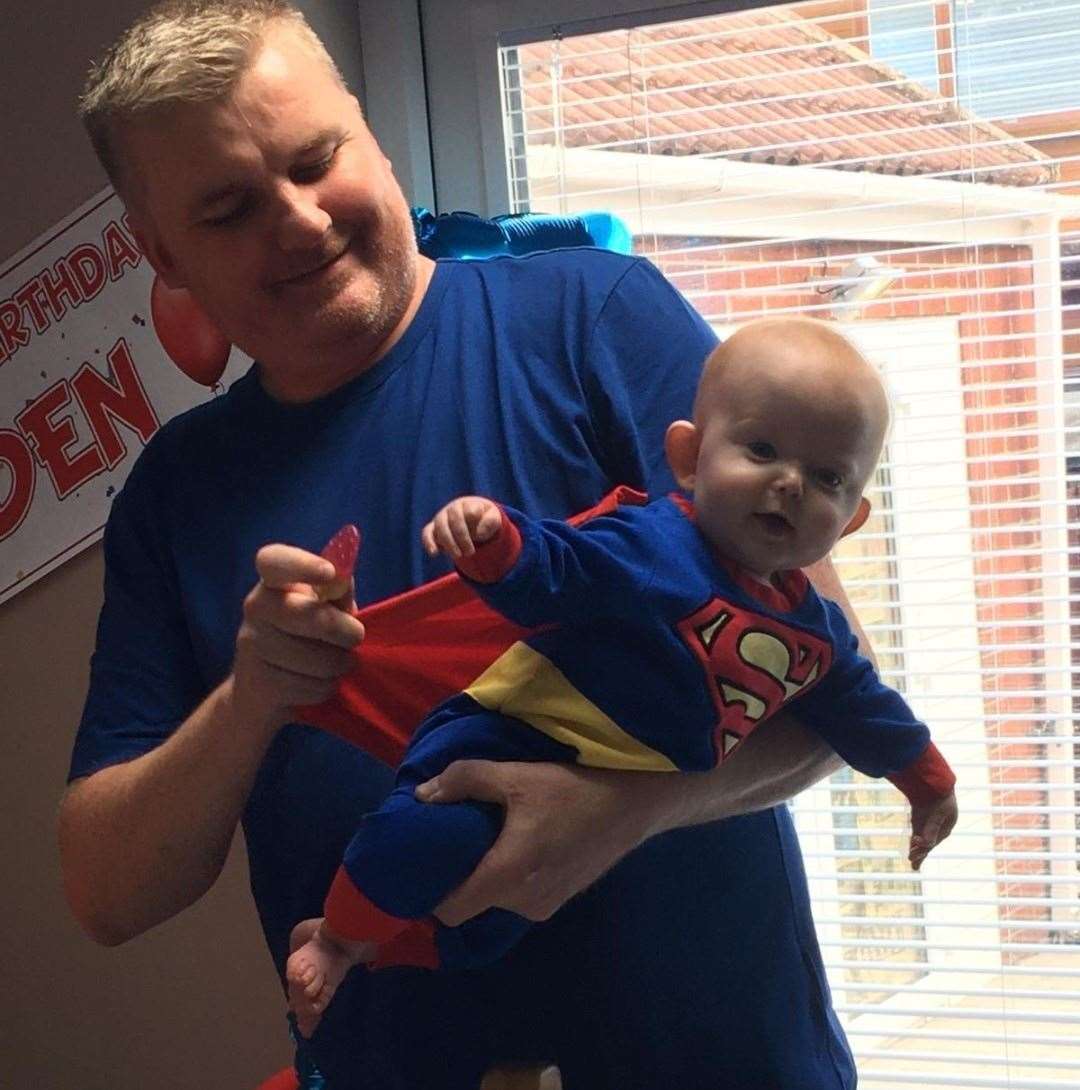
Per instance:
(905,35)
(1011,58)
(1017,57)
(771,162)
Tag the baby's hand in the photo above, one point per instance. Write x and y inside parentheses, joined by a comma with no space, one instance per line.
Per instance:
(931,823)
(460,526)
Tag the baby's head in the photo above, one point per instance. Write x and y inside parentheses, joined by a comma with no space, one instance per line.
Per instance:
(789,421)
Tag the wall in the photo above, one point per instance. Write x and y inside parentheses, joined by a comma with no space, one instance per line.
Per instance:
(195,1002)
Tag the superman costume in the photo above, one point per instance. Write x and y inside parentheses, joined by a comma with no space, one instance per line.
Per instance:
(639,649)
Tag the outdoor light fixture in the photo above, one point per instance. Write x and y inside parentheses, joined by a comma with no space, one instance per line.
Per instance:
(862,280)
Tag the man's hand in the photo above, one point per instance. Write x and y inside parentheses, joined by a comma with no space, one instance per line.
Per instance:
(292,645)
(565,826)
(931,823)
(460,526)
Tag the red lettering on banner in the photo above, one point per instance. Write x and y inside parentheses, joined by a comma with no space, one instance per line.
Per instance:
(13,334)
(58,284)
(15,454)
(50,441)
(87,265)
(32,298)
(120,397)
(119,250)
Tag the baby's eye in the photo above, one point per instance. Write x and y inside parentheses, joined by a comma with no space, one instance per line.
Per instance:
(829,478)
(762,451)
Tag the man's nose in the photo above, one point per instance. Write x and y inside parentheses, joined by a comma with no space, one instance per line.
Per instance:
(301,223)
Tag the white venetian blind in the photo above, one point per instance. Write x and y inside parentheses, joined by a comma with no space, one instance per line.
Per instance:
(818,158)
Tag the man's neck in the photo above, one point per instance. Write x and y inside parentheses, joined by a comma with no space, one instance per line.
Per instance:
(334,368)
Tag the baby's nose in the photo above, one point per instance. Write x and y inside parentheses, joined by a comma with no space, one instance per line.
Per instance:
(789,480)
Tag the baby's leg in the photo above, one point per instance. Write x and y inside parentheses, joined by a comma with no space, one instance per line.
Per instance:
(409,855)
(317,965)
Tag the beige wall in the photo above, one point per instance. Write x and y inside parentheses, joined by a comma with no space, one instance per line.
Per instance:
(194,1003)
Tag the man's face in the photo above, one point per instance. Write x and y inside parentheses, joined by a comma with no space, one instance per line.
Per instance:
(277,210)
(781,470)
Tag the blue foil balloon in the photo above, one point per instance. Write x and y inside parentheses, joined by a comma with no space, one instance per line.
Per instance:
(467,235)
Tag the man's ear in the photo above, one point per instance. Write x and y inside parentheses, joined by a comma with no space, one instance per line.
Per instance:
(156,252)
(681,445)
(862,513)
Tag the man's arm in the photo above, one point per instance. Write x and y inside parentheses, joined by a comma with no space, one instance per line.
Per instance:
(566,825)
(827,583)
(142,840)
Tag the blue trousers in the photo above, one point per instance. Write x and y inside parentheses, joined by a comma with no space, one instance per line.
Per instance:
(408,855)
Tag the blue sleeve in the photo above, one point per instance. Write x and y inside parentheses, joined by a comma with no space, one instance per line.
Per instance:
(643,361)
(574,575)
(143,676)
(868,723)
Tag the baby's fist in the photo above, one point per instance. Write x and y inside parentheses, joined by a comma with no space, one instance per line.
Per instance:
(460,526)
(931,823)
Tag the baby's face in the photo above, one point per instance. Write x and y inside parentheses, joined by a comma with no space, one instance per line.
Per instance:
(783,461)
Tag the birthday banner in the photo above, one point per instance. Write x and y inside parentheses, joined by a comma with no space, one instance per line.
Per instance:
(84,385)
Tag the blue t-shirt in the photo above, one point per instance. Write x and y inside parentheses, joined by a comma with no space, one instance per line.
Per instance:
(542,381)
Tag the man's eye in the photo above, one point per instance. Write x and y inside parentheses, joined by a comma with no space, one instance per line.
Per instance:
(232,216)
(312,172)
(761,450)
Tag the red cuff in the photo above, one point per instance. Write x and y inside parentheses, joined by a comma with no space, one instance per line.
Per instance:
(352,916)
(495,557)
(927,779)
(414,946)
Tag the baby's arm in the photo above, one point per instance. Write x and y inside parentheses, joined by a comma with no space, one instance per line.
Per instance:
(543,571)
(928,783)
(872,727)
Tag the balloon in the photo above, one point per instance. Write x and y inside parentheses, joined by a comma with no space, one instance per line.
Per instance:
(187,333)
(465,234)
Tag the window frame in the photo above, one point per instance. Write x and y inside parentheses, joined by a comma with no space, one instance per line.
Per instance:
(461,70)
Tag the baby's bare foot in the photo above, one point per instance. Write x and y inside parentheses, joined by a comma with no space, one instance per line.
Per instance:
(314,970)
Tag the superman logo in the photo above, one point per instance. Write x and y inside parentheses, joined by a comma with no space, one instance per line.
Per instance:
(753,665)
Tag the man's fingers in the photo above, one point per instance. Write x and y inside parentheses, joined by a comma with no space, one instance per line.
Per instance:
(302,688)
(298,613)
(479,780)
(280,566)
(297,654)
(476,894)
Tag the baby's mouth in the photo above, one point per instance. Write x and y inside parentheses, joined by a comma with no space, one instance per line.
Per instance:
(773,524)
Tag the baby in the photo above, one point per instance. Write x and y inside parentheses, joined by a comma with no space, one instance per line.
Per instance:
(665,634)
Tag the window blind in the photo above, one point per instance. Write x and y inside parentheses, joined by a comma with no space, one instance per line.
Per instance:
(816,158)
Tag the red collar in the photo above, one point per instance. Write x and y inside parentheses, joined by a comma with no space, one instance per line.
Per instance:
(784,598)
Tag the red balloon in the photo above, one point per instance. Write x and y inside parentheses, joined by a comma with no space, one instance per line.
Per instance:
(188,334)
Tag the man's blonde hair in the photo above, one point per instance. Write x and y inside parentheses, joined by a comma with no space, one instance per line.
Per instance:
(179,51)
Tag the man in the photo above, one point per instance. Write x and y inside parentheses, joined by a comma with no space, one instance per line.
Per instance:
(383,385)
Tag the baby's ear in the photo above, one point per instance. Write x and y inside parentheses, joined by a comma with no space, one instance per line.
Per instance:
(860,516)
(681,446)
